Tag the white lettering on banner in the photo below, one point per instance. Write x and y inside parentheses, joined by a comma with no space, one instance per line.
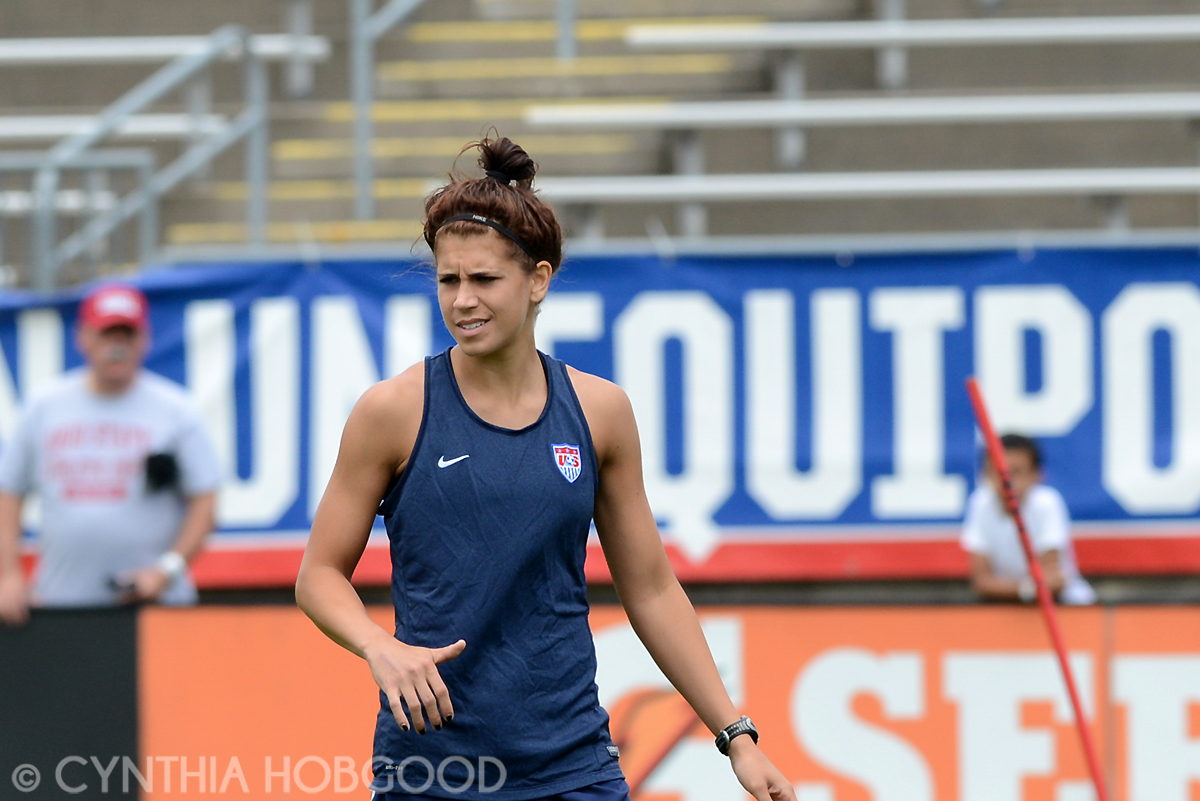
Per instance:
(1129,473)
(1075,791)
(1157,692)
(39,361)
(686,501)
(824,721)
(262,498)
(996,752)
(690,773)
(835,478)
(408,334)
(917,318)
(10,405)
(623,666)
(1002,316)
(569,317)
(343,368)
(40,349)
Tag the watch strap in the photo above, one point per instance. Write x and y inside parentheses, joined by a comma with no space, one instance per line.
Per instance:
(742,726)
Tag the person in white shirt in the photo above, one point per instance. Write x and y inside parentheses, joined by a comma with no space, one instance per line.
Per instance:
(124,470)
(999,569)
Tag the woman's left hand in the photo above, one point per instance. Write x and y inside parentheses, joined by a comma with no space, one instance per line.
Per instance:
(756,773)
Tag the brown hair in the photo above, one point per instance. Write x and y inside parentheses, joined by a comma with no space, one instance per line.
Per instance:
(505,196)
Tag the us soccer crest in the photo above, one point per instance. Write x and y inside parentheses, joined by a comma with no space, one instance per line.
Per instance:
(568,461)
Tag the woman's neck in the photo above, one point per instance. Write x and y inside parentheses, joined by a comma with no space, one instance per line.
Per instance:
(506,388)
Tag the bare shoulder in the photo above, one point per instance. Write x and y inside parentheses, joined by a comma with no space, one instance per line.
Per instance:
(598,393)
(387,418)
(607,409)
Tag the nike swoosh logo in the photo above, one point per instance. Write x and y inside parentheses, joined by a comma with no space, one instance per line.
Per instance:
(443,463)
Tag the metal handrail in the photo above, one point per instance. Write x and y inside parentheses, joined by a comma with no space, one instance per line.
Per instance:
(892,35)
(150,49)
(251,123)
(846,112)
(859,185)
(141,126)
(140,160)
(919,33)
(1110,186)
(365,29)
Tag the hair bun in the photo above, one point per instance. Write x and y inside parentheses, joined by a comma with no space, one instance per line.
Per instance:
(504,160)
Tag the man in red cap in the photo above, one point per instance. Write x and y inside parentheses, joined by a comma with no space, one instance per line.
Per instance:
(123,467)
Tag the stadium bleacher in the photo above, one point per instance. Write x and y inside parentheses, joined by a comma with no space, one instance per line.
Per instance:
(456,68)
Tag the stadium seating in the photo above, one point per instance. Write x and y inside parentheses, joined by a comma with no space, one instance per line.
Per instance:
(462,66)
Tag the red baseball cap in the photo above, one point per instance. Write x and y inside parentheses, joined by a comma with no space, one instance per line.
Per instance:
(111,305)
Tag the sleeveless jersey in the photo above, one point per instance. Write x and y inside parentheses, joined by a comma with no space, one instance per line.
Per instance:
(488,530)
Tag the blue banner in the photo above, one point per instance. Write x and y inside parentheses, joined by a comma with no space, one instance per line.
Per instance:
(779,399)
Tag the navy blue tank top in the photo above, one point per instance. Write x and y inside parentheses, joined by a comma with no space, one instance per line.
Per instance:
(488,529)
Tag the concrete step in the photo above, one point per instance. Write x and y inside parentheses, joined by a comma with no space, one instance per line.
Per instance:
(526,31)
(298,230)
(465,118)
(39,18)
(943,9)
(896,216)
(562,154)
(778,9)
(533,38)
(683,73)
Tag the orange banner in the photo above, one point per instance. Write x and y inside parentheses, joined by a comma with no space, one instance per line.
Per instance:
(854,704)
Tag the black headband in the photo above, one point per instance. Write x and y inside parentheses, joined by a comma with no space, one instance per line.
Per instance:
(495,226)
(501,177)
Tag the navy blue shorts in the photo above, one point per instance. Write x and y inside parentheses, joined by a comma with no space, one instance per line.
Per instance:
(608,790)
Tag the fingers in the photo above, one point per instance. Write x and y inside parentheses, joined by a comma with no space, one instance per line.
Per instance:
(430,706)
(14,602)
(398,710)
(443,698)
(428,701)
(14,615)
(413,686)
(447,653)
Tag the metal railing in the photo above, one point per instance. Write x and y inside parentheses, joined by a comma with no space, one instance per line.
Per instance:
(144,126)
(49,255)
(150,49)
(1110,186)
(95,197)
(366,28)
(846,112)
(891,36)
(684,121)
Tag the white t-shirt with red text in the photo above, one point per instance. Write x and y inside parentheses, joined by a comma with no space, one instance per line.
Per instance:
(84,455)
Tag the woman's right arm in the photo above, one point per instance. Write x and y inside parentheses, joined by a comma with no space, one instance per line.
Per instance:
(376,443)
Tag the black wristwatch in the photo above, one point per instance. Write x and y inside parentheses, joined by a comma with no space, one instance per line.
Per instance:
(743,726)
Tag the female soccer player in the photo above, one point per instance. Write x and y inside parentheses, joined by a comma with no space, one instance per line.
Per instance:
(491,460)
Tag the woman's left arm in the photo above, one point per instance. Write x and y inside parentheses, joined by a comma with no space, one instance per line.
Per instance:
(659,611)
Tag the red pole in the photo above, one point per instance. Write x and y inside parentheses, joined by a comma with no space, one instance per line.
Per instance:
(996,453)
